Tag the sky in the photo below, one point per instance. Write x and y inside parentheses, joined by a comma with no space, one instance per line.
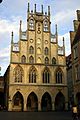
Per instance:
(63,12)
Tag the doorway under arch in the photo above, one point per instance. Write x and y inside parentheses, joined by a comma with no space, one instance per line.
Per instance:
(46,103)
(18,102)
(60,102)
(32,102)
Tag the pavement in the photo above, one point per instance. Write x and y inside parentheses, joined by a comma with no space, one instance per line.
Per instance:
(35,115)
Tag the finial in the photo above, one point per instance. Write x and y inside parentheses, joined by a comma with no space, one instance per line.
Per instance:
(45,13)
(63,41)
(35,8)
(56,29)
(28,6)
(12,37)
(48,10)
(42,8)
(20,24)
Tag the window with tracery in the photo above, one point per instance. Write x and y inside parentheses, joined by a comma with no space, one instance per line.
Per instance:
(18,74)
(46,60)
(23,59)
(46,76)
(46,26)
(53,60)
(31,50)
(59,76)
(46,51)
(31,24)
(31,59)
(32,75)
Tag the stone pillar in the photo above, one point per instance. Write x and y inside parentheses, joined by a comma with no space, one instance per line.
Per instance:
(10,105)
(66,106)
(39,106)
(25,103)
(53,108)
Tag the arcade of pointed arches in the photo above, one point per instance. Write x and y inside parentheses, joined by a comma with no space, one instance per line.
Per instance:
(32,102)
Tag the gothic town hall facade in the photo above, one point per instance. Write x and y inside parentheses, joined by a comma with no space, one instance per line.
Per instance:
(35,80)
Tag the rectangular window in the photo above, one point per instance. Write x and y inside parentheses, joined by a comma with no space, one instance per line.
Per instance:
(76,73)
(75,52)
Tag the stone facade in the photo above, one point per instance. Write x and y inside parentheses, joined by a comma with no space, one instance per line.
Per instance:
(75,48)
(36,77)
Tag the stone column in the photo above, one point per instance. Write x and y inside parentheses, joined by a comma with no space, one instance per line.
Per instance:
(39,106)
(10,105)
(53,108)
(25,102)
(66,106)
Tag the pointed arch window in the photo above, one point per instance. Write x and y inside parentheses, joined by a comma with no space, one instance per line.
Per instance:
(46,25)
(46,60)
(59,76)
(31,59)
(46,76)
(32,75)
(18,74)
(31,24)
(31,50)
(53,60)
(46,51)
(23,59)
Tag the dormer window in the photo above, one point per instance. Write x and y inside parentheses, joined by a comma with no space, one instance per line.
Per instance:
(31,24)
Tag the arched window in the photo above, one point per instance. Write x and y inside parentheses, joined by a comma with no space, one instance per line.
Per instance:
(32,75)
(18,74)
(31,24)
(46,76)
(31,59)
(46,60)
(59,76)
(46,27)
(23,59)
(53,60)
(31,50)
(46,51)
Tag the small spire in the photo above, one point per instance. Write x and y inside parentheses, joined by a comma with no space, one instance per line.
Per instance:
(45,13)
(12,37)
(28,6)
(63,41)
(48,10)
(56,29)
(42,8)
(35,8)
(20,24)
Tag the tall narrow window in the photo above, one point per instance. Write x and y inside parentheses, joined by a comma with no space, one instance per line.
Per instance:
(46,76)
(18,74)
(31,50)
(46,28)
(59,76)
(46,60)
(32,75)
(23,59)
(76,73)
(46,51)
(53,60)
(75,52)
(31,24)
(31,59)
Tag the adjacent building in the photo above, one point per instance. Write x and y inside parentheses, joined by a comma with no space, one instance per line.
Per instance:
(36,77)
(75,54)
